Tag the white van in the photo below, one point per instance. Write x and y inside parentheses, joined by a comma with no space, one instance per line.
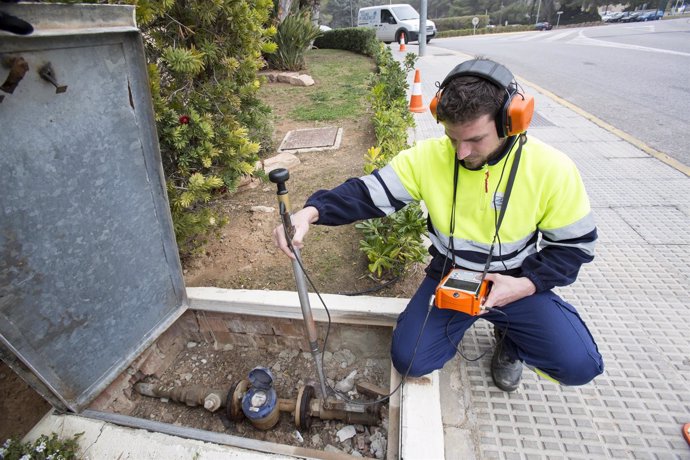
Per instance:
(391,21)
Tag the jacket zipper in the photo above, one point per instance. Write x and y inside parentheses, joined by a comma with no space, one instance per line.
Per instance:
(485,196)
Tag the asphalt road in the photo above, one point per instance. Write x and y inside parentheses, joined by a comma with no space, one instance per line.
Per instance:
(634,76)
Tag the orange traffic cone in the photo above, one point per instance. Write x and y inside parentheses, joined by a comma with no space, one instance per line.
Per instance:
(416,104)
(402,42)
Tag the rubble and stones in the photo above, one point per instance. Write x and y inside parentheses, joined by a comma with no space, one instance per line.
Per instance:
(224,366)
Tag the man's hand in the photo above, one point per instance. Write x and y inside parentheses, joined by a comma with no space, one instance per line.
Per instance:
(300,221)
(507,289)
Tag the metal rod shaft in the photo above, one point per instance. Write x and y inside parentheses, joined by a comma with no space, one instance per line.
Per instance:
(309,323)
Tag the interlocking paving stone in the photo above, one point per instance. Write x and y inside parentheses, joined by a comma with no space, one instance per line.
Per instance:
(610,192)
(658,225)
(540,121)
(634,409)
(635,298)
(612,228)
(615,168)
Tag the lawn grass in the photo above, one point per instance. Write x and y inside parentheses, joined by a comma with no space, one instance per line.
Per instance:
(339,92)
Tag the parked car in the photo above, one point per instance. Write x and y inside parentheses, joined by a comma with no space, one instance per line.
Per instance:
(543,26)
(324,28)
(392,21)
(615,17)
(631,17)
(650,16)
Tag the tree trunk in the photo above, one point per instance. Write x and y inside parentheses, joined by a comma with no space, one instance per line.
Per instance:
(283,9)
(314,8)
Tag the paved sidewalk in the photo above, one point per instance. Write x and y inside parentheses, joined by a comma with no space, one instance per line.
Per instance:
(634,297)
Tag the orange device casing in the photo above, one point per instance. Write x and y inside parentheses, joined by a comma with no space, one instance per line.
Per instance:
(462,290)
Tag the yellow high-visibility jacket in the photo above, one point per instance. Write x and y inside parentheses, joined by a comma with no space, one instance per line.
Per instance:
(548,230)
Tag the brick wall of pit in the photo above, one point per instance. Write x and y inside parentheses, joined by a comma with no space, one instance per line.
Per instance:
(220,329)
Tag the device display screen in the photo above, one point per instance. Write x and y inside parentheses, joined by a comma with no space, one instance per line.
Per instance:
(462,285)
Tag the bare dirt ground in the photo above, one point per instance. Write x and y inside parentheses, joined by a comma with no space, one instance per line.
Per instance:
(243,257)
(222,369)
(20,406)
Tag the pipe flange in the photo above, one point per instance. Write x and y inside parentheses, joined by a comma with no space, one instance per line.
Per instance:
(302,416)
(233,403)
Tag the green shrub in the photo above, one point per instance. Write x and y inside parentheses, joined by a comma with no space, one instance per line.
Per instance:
(43,448)
(461,22)
(485,30)
(394,242)
(360,40)
(575,15)
(204,58)
(295,36)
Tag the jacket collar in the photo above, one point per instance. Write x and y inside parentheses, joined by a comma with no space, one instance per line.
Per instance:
(507,147)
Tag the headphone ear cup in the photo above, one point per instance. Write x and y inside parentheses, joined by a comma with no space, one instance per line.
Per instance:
(518,114)
(433,104)
(502,120)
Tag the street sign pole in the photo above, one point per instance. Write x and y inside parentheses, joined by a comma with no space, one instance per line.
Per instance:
(422,28)
(558,21)
(475,21)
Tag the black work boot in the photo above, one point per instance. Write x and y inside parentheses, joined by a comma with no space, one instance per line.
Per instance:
(505,371)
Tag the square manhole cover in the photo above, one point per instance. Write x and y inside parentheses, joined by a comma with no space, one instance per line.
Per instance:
(539,121)
(311,139)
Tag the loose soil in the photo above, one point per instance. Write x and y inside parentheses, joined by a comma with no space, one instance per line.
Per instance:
(20,406)
(244,257)
(222,369)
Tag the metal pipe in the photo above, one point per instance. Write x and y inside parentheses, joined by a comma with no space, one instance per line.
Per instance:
(318,409)
(212,400)
(370,417)
(286,405)
(193,395)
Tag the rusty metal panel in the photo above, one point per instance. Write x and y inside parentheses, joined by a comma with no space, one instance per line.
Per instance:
(309,138)
(89,269)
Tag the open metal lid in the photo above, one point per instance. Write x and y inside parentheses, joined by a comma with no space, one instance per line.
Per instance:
(89,269)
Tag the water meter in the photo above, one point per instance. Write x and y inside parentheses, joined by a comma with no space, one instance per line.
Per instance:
(260,403)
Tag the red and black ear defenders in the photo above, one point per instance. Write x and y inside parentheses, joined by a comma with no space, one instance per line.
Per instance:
(516,113)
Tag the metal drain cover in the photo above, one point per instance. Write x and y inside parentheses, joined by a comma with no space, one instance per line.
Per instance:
(539,121)
(311,139)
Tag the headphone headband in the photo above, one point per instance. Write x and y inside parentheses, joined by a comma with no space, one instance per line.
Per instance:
(515,113)
(482,68)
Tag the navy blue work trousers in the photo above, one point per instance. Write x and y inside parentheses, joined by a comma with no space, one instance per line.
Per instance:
(542,330)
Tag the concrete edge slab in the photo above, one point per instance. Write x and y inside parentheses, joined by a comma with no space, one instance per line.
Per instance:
(105,441)
(381,311)
(421,424)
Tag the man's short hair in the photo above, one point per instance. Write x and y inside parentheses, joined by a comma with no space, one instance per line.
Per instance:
(467,98)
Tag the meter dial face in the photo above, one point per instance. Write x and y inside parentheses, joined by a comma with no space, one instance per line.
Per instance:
(259,398)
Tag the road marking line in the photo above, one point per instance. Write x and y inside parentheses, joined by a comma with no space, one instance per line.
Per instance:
(581,39)
(559,36)
(531,36)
